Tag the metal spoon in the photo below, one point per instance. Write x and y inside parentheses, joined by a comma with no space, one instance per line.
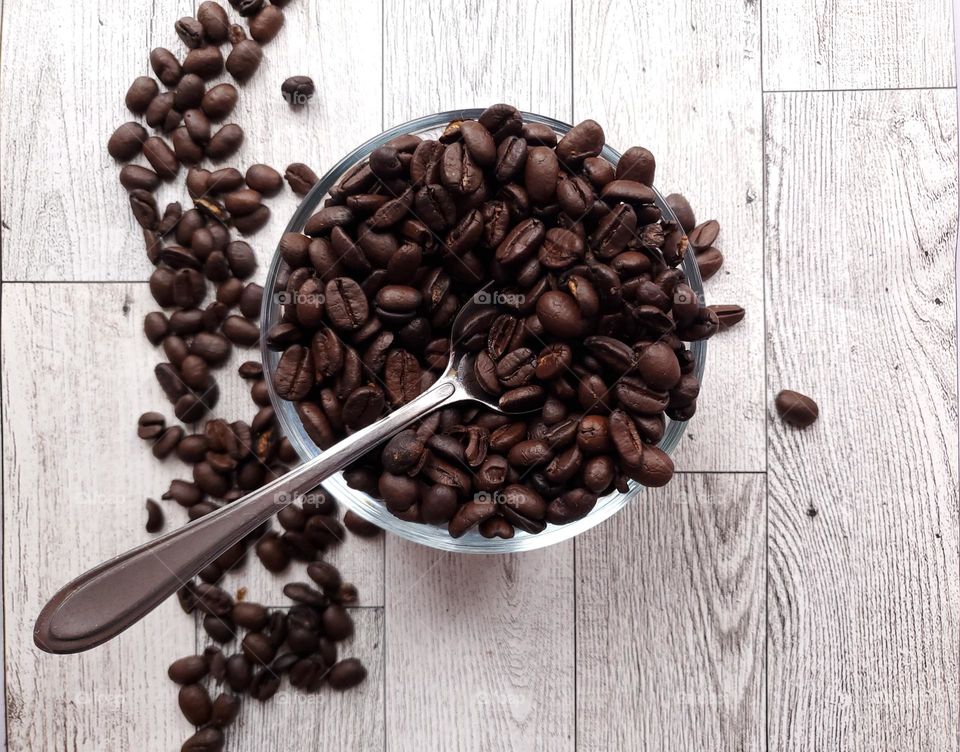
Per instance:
(103,602)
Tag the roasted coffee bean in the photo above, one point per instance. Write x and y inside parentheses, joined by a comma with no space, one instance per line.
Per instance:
(244,59)
(346,674)
(154,517)
(195,704)
(205,62)
(167,442)
(197,126)
(219,101)
(266,24)
(165,66)
(346,304)
(242,260)
(141,94)
(359,526)
(705,235)
(224,142)
(300,178)
(135,177)
(208,739)
(297,90)
(573,505)
(225,710)
(796,409)
(264,179)
(471,515)
(681,207)
(127,141)
(161,157)
(295,373)
(541,173)
(213,19)
(638,164)
(584,140)
(188,670)
(728,315)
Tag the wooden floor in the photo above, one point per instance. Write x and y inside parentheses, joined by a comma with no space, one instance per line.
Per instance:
(789,591)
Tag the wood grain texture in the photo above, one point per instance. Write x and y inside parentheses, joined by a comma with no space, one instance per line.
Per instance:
(448,55)
(685,84)
(863,543)
(74,483)
(332,721)
(479,650)
(857,44)
(65,216)
(670,620)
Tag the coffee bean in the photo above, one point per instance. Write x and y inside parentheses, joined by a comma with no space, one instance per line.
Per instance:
(225,142)
(346,674)
(539,133)
(796,409)
(264,179)
(127,141)
(225,710)
(266,24)
(161,157)
(295,373)
(300,177)
(359,526)
(195,704)
(213,19)
(135,177)
(218,102)
(584,140)
(638,164)
(709,262)
(297,90)
(728,315)
(541,173)
(141,94)
(209,739)
(681,207)
(244,59)
(165,66)
(188,670)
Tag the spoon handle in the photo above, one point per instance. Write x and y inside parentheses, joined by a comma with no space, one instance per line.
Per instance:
(103,602)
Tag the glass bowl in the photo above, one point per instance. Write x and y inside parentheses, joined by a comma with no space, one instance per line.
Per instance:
(366,506)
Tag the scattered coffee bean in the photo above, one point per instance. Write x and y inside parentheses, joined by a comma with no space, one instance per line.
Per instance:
(796,409)
(297,90)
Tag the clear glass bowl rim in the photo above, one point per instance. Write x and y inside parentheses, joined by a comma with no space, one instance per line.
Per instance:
(375,511)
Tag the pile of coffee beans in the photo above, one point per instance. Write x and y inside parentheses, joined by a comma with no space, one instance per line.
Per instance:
(299,643)
(586,327)
(209,305)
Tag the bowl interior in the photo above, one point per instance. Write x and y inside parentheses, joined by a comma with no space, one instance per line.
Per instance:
(365,505)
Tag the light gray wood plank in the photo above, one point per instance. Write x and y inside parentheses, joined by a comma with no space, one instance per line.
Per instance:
(685,84)
(863,597)
(74,483)
(66,70)
(350,721)
(446,55)
(847,44)
(670,620)
(480,650)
